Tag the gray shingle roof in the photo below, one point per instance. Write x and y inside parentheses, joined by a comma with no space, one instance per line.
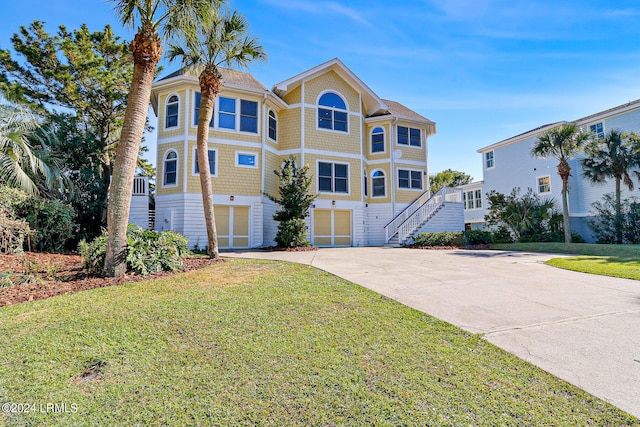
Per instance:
(230,77)
(397,109)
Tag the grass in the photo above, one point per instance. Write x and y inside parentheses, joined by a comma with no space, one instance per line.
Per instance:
(606,260)
(267,344)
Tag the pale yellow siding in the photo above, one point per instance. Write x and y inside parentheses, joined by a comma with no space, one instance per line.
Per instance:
(329,140)
(174,131)
(331,81)
(386,169)
(162,151)
(294,97)
(367,142)
(355,176)
(229,179)
(289,125)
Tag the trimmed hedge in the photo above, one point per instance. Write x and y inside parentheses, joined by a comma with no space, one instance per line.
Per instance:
(445,238)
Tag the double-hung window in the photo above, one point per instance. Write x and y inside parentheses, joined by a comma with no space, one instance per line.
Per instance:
(173,108)
(489,160)
(377,140)
(544,184)
(378,184)
(170,175)
(332,113)
(333,177)
(212,162)
(409,136)
(196,111)
(410,179)
(248,116)
(597,129)
(227,113)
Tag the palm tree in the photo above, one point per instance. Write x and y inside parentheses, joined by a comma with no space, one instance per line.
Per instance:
(25,159)
(154,17)
(562,142)
(221,39)
(612,156)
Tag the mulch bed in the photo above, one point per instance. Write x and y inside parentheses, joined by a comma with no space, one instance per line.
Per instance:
(61,274)
(448,248)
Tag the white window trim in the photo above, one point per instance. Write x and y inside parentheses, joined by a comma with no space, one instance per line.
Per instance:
(166,104)
(384,173)
(193,162)
(410,170)
(465,200)
(604,130)
(246,153)
(484,159)
(193,112)
(408,145)
(275,113)
(538,184)
(164,168)
(236,129)
(384,141)
(348,193)
(348,111)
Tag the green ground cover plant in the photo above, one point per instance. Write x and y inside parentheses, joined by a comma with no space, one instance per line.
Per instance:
(269,344)
(606,260)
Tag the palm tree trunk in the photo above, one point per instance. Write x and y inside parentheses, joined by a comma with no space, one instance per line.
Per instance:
(618,213)
(146,49)
(565,211)
(206,111)
(564,170)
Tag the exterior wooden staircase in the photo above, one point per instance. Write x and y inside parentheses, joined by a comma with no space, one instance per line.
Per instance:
(418,214)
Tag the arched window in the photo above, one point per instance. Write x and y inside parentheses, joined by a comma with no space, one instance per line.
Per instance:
(173,107)
(273,126)
(377,140)
(170,173)
(332,112)
(378,184)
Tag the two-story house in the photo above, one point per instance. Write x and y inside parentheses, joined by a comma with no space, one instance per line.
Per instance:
(368,157)
(508,164)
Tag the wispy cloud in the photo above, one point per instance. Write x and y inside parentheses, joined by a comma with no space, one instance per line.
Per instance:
(621,13)
(320,8)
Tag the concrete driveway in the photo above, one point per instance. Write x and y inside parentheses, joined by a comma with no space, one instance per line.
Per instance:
(582,328)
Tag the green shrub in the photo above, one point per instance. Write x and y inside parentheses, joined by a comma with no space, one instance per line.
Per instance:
(52,222)
(13,233)
(502,235)
(445,238)
(148,251)
(552,236)
(93,253)
(292,233)
(478,237)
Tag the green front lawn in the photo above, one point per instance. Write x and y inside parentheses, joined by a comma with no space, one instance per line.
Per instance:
(266,343)
(606,260)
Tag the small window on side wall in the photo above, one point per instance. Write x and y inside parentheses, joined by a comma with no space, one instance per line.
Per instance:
(173,107)
(273,126)
(170,175)
(246,160)
(489,160)
(544,184)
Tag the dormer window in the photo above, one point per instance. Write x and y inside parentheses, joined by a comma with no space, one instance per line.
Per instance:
(173,107)
(332,112)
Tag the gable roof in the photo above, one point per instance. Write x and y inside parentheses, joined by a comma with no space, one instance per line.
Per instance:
(373,104)
(590,118)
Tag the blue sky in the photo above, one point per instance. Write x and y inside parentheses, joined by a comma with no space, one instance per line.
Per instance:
(483,70)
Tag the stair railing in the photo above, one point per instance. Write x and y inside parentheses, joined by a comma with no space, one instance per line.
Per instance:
(422,213)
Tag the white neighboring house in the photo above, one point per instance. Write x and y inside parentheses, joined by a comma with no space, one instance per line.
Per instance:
(508,164)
